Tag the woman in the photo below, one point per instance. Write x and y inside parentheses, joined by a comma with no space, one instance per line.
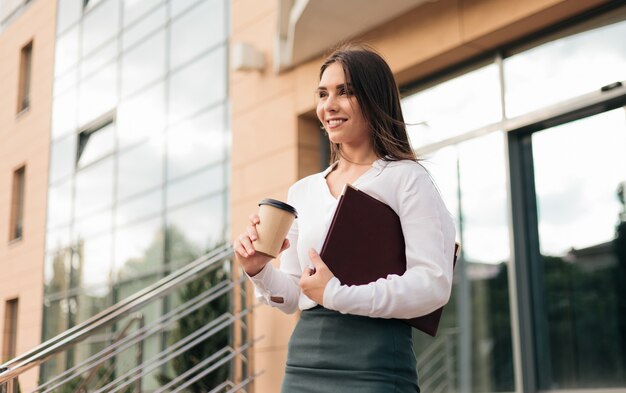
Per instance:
(350,338)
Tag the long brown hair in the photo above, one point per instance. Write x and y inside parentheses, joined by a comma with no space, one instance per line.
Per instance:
(376,92)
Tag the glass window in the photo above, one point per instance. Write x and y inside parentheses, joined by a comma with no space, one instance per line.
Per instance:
(66,51)
(203,183)
(98,59)
(143,64)
(140,168)
(144,27)
(68,13)
(101,24)
(207,20)
(64,113)
(60,204)
(180,6)
(582,236)
(199,85)
(196,143)
(195,229)
(57,271)
(140,207)
(56,317)
(141,116)
(98,94)
(93,260)
(94,188)
(62,158)
(133,9)
(95,144)
(17,203)
(93,224)
(138,249)
(475,325)
(23,94)
(65,82)
(58,239)
(473,98)
(566,67)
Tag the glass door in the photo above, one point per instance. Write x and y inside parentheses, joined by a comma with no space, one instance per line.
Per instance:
(578,306)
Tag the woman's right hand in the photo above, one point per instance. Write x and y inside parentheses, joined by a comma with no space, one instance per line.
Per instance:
(252,261)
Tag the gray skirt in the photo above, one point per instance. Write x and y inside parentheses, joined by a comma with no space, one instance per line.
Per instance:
(333,352)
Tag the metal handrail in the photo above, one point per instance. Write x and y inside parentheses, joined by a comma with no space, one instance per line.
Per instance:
(107,317)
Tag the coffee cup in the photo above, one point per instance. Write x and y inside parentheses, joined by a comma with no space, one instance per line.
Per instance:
(276,218)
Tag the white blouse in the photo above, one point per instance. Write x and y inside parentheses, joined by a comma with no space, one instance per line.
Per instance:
(429,234)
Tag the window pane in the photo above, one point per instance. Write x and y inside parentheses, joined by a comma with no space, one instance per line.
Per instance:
(58,239)
(100,24)
(206,20)
(582,236)
(64,113)
(133,9)
(564,68)
(93,224)
(65,82)
(68,13)
(94,188)
(62,158)
(195,229)
(98,59)
(138,249)
(143,206)
(60,204)
(98,94)
(142,115)
(473,98)
(96,144)
(180,6)
(93,261)
(143,64)
(196,143)
(140,168)
(475,325)
(200,184)
(66,51)
(145,26)
(57,271)
(199,85)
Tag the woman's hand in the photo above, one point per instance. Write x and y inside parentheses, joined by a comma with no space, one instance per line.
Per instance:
(313,281)
(251,261)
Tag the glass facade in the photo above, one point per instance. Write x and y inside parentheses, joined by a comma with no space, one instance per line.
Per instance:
(139,153)
(566,214)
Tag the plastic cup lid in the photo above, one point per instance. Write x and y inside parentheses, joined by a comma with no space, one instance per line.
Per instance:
(279,205)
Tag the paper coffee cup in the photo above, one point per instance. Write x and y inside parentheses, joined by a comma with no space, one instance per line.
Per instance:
(275,218)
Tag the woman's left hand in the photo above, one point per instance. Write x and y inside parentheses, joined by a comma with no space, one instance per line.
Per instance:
(313,281)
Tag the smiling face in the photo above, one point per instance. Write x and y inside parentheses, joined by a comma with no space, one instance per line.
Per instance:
(339,110)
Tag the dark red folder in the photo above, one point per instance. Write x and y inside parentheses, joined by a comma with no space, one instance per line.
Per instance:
(365,242)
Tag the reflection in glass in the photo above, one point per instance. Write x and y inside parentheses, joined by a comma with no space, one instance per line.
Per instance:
(60,204)
(145,26)
(464,103)
(180,6)
(195,229)
(581,217)
(98,59)
(140,207)
(198,85)
(93,224)
(141,116)
(92,262)
(57,270)
(196,143)
(567,67)
(100,24)
(140,168)
(95,144)
(94,188)
(138,249)
(58,239)
(64,113)
(476,326)
(98,94)
(133,9)
(206,20)
(62,158)
(56,317)
(143,64)
(203,183)
(65,82)
(68,13)
(66,51)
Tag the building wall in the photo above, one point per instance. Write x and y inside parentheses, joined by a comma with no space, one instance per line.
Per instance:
(275,138)
(24,139)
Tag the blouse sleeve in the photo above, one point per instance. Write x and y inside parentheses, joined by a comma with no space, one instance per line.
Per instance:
(426,285)
(284,282)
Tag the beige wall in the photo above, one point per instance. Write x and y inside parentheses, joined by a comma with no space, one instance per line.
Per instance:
(275,142)
(25,139)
